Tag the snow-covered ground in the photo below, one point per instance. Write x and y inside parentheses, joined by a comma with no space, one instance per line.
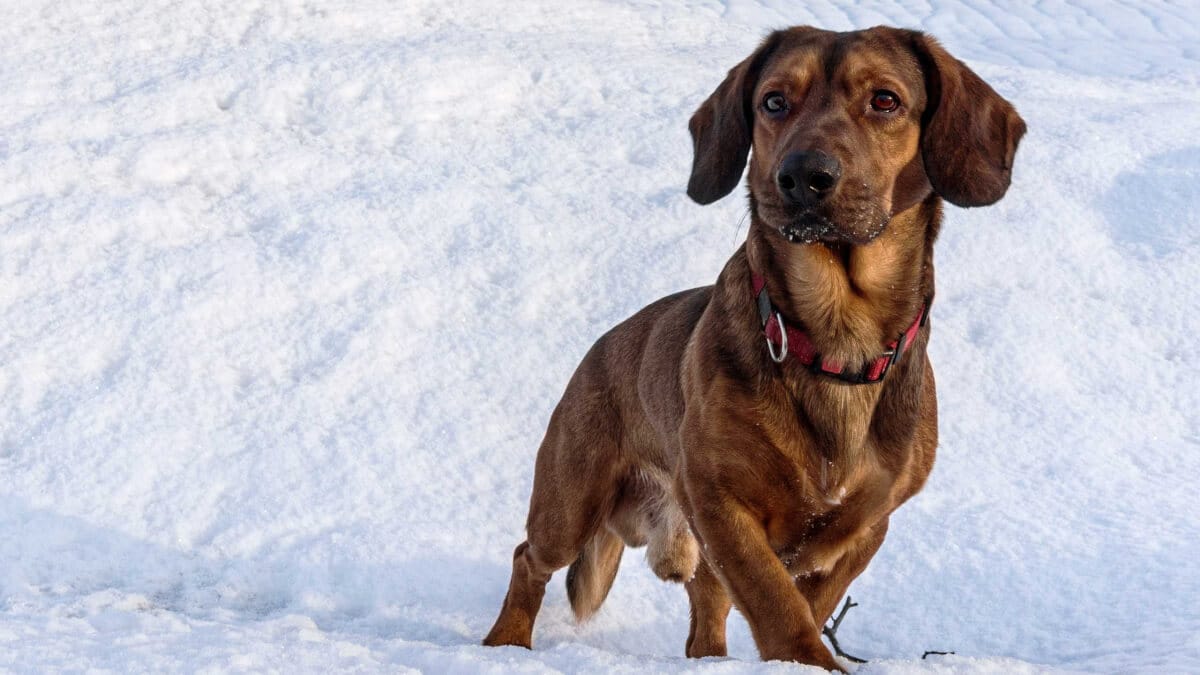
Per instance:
(288,290)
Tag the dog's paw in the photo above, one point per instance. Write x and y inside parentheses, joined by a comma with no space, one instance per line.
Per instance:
(674,557)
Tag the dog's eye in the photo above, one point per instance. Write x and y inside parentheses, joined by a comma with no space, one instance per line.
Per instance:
(774,103)
(885,101)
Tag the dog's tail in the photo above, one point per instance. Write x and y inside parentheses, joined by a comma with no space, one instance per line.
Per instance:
(591,575)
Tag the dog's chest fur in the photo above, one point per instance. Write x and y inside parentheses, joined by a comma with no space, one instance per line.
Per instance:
(826,503)
(836,477)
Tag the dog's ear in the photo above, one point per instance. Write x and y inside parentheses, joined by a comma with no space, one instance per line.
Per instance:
(722,129)
(969,133)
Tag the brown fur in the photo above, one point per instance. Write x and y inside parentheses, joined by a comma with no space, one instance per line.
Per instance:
(678,430)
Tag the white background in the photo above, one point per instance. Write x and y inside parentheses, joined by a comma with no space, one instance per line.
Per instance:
(289,289)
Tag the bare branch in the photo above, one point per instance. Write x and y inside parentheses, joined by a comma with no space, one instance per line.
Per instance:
(830,631)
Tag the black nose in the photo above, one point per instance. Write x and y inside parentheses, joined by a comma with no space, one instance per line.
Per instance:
(807,177)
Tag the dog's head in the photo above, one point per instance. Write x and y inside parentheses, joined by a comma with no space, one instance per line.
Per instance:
(849,129)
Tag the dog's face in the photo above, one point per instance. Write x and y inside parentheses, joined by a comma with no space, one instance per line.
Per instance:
(849,129)
(836,130)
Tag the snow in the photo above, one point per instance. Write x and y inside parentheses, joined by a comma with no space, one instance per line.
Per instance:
(288,292)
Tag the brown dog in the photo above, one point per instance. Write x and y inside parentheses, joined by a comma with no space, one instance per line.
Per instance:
(758,433)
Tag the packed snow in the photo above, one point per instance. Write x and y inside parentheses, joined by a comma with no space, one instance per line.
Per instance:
(288,290)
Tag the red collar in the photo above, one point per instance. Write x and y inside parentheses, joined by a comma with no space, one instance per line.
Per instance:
(783,340)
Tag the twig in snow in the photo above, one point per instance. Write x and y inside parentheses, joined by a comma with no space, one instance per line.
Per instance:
(933,652)
(830,631)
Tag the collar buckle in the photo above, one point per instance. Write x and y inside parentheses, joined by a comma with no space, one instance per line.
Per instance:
(783,345)
(888,358)
(873,372)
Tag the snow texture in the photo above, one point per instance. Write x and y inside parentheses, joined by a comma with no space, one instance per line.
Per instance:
(288,290)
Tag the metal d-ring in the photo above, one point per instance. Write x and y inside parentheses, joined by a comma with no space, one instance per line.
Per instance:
(783,350)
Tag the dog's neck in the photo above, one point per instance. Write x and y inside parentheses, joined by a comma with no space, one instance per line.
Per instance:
(850,299)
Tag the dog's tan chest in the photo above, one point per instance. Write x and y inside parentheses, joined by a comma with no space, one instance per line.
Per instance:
(822,522)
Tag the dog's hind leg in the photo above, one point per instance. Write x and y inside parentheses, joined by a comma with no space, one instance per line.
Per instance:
(573,491)
(530,573)
(710,608)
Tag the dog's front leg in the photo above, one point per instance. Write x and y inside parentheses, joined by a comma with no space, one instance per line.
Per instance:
(735,545)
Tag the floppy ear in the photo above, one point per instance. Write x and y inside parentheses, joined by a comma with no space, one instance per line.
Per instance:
(969,133)
(722,129)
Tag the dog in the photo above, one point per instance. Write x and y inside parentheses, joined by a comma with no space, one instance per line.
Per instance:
(757,434)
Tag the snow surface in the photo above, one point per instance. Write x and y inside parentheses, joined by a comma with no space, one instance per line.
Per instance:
(288,291)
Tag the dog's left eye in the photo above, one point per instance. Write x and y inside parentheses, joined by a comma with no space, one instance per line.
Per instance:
(885,101)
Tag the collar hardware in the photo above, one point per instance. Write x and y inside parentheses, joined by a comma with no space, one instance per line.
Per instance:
(784,340)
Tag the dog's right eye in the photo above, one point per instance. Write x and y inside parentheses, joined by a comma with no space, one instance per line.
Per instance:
(774,103)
